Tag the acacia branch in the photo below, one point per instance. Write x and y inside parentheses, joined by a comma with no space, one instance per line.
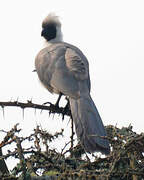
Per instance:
(51,107)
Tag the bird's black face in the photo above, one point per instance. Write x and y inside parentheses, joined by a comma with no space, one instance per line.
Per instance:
(49,31)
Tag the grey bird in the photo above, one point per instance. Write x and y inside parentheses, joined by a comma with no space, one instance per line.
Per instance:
(63,69)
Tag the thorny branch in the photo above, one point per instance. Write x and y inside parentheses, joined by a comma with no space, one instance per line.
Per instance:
(52,108)
(126,160)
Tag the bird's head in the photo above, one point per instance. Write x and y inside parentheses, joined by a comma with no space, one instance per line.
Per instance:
(51,28)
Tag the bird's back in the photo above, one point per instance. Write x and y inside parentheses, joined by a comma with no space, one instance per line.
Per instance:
(53,58)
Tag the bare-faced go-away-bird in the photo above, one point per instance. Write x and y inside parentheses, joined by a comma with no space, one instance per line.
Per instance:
(63,69)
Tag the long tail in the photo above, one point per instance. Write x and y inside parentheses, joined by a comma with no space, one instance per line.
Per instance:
(88,125)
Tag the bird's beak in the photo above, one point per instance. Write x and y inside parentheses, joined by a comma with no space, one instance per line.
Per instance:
(34,70)
(42,33)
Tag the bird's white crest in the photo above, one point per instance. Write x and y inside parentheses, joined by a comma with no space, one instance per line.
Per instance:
(51,18)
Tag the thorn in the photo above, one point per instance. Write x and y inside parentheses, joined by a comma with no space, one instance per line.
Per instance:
(23,113)
(35,111)
(17,99)
(63,116)
(41,111)
(3,112)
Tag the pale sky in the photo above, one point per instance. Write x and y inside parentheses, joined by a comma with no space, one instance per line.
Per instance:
(109,32)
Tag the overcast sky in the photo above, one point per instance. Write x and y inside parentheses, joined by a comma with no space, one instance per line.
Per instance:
(109,32)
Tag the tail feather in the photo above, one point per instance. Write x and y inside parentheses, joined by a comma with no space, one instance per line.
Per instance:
(88,124)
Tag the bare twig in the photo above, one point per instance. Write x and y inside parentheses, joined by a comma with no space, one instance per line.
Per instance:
(52,108)
(72,134)
(21,157)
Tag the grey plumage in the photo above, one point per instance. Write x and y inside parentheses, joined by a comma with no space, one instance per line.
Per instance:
(63,68)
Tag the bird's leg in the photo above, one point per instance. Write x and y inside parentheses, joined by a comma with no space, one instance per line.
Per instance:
(58,100)
(66,109)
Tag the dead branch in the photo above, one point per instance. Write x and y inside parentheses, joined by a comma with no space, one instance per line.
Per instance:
(51,108)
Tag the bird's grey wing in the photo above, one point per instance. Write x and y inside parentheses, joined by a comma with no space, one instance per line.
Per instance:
(70,70)
(76,64)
